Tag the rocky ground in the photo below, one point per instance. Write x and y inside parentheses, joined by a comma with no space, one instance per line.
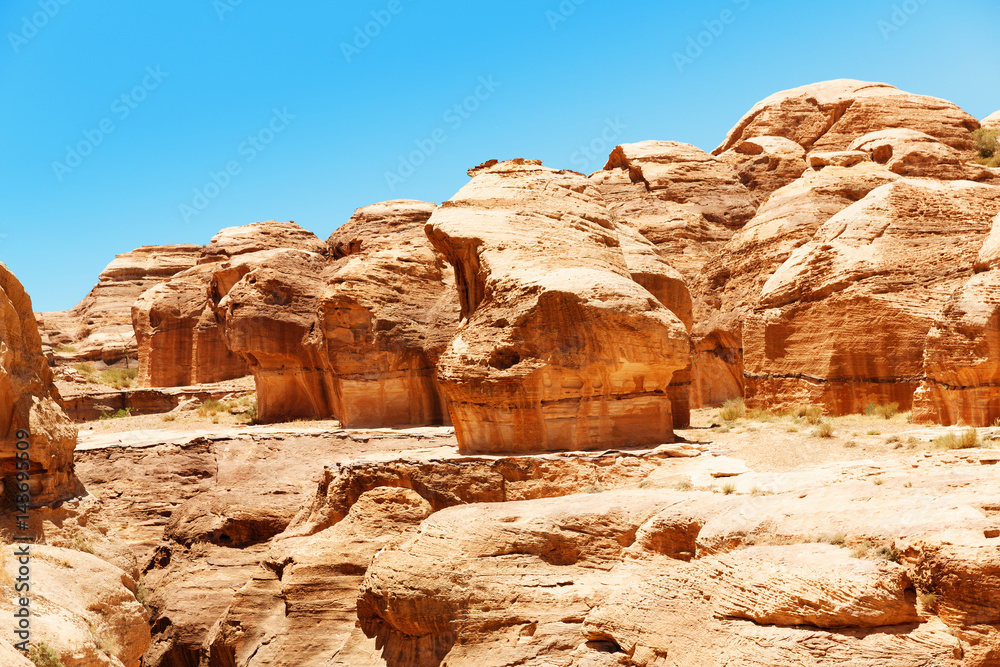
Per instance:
(254,542)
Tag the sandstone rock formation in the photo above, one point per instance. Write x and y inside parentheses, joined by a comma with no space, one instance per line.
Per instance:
(766,164)
(29,412)
(960,357)
(729,285)
(355,338)
(912,153)
(683,200)
(992,122)
(82,607)
(99,328)
(845,320)
(559,347)
(180,341)
(830,115)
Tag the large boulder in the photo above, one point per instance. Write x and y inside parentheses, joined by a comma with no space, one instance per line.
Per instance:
(179,338)
(992,122)
(913,153)
(845,320)
(830,115)
(559,347)
(355,338)
(29,411)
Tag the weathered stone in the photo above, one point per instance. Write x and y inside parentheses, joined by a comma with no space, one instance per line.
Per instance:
(559,347)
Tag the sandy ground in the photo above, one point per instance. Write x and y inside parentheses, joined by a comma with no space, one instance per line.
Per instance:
(781,444)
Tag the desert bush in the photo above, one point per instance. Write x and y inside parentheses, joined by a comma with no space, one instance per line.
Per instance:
(119,414)
(836,539)
(986,142)
(43,656)
(823,430)
(732,410)
(119,378)
(212,407)
(811,413)
(729,488)
(966,440)
(928,601)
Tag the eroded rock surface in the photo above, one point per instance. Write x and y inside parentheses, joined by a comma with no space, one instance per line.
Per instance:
(845,320)
(179,337)
(559,347)
(830,115)
(29,411)
(355,338)
(99,328)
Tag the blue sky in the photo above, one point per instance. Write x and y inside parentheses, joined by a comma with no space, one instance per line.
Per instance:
(137,123)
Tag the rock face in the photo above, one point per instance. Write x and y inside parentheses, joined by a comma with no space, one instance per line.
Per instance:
(960,357)
(829,116)
(357,337)
(683,200)
(846,319)
(729,285)
(84,608)
(99,328)
(559,347)
(179,338)
(29,411)
(313,582)
(766,164)
(913,153)
(992,122)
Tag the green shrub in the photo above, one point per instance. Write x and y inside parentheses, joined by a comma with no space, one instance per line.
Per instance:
(119,378)
(732,410)
(211,407)
(887,411)
(44,656)
(124,412)
(986,142)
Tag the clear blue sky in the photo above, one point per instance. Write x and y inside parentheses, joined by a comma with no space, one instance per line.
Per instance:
(200,77)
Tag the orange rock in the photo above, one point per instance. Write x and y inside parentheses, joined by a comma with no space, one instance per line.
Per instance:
(180,342)
(766,164)
(845,320)
(29,411)
(728,287)
(913,153)
(99,328)
(559,347)
(356,338)
(828,116)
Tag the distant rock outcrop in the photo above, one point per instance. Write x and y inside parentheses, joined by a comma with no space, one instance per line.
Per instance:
(32,425)
(559,348)
(99,328)
(356,337)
